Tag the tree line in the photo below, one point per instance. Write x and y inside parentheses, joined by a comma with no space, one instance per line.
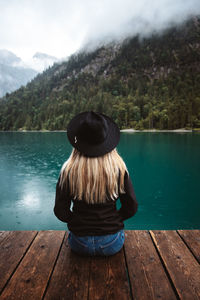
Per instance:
(153,83)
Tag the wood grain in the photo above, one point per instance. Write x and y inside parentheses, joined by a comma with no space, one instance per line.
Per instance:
(31,277)
(108,278)
(4,234)
(12,249)
(152,265)
(70,277)
(147,275)
(182,267)
(192,239)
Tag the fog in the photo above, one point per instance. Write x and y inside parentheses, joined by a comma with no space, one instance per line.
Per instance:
(123,19)
(61,27)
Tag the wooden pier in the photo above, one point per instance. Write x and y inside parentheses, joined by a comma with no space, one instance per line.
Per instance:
(152,265)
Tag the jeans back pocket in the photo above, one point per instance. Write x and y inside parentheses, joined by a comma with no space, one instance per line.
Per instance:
(77,245)
(112,244)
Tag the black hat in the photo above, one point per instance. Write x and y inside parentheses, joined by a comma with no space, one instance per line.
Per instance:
(93,134)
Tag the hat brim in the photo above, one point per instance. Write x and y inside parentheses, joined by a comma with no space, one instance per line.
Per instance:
(91,150)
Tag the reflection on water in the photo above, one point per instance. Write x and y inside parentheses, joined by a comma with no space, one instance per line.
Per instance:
(30,164)
(30,198)
(164,167)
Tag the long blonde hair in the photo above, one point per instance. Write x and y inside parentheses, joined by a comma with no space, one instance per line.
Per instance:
(94,179)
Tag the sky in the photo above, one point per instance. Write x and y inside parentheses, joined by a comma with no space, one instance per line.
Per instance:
(61,27)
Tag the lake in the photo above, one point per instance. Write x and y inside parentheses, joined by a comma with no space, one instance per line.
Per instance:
(164,167)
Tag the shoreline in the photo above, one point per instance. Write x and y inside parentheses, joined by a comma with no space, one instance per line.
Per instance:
(127,130)
(157,130)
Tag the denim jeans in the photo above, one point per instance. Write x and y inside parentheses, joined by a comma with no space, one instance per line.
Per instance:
(103,245)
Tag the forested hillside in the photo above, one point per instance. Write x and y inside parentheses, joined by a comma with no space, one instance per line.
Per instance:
(142,84)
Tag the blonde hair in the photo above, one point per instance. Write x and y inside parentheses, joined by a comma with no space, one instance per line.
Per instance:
(94,179)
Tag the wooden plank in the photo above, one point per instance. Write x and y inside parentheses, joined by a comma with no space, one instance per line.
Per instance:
(147,276)
(12,249)
(192,239)
(3,234)
(31,277)
(108,278)
(70,276)
(182,267)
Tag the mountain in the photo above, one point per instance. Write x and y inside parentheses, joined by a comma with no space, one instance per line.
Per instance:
(12,75)
(14,72)
(152,82)
(8,58)
(42,61)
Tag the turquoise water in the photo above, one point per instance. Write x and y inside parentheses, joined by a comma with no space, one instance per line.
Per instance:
(164,167)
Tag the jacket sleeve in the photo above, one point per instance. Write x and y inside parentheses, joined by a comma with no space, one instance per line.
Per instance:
(62,203)
(128,201)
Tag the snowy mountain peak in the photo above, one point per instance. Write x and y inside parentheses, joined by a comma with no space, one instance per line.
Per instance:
(40,55)
(8,57)
(41,61)
(15,72)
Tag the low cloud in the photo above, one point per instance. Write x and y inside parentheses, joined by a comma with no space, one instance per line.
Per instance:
(61,27)
(126,18)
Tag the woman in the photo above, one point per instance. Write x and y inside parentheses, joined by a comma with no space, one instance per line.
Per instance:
(91,181)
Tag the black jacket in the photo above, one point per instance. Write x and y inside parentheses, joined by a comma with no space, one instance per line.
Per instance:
(95,219)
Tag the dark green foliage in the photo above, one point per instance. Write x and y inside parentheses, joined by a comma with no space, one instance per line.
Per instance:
(149,83)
